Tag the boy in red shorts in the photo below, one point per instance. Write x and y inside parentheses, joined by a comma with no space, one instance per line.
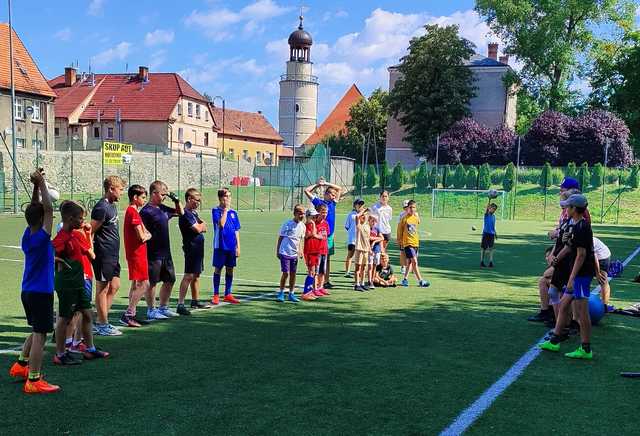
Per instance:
(322,227)
(312,248)
(135,247)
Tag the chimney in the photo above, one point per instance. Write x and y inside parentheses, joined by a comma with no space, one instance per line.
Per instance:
(493,51)
(69,76)
(259,112)
(143,73)
(504,59)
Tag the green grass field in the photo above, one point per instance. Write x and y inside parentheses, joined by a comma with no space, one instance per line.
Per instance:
(392,361)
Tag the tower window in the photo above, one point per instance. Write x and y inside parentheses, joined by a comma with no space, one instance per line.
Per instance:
(297,107)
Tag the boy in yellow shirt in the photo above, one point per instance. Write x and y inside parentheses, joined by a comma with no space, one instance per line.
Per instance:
(409,239)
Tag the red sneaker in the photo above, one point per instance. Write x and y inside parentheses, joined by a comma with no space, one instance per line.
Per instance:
(324,291)
(215,300)
(39,387)
(231,299)
(19,371)
(80,348)
(317,293)
(309,296)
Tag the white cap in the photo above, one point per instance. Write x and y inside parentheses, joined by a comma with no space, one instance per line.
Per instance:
(311,212)
(405,203)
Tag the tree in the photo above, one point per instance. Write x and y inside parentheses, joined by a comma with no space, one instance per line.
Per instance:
(597,175)
(572,170)
(472,177)
(434,87)
(357,178)
(368,119)
(422,177)
(469,142)
(634,178)
(385,175)
(447,176)
(548,134)
(584,176)
(551,37)
(372,177)
(459,177)
(508,182)
(434,177)
(484,177)
(545,176)
(397,177)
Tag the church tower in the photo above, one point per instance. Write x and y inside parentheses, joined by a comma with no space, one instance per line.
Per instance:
(298,108)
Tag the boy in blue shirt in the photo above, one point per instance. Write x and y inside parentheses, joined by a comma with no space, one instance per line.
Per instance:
(226,246)
(288,249)
(37,287)
(488,235)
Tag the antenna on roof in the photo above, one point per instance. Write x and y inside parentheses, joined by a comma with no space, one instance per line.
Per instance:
(126,67)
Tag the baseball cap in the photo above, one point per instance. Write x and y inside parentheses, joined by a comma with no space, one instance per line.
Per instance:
(311,212)
(405,203)
(570,183)
(358,202)
(576,200)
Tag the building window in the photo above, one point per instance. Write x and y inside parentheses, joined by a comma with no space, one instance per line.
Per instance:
(297,107)
(20,142)
(198,111)
(245,154)
(96,132)
(206,138)
(180,134)
(231,152)
(190,109)
(258,156)
(109,132)
(19,108)
(195,137)
(37,144)
(56,131)
(179,109)
(37,111)
(206,115)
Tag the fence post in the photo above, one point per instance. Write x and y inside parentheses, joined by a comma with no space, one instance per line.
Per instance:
(102,165)
(179,172)
(254,186)
(201,157)
(544,211)
(155,163)
(238,184)
(72,168)
(284,199)
(270,183)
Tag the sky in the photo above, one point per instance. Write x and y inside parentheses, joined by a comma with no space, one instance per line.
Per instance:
(236,48)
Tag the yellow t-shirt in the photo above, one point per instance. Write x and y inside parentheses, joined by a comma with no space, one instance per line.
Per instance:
(408,229)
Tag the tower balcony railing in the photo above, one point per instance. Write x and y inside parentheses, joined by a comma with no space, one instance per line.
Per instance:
(299,78)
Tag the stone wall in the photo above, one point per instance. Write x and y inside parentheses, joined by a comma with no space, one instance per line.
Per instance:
(86,173)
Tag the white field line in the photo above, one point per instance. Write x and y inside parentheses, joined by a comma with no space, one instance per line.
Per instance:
(468,416)
(15,247)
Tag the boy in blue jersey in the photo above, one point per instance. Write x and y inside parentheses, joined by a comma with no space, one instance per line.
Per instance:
(226,246)
(488,235)
(37,287)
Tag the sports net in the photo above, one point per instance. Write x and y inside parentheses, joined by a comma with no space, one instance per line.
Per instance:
(465,203)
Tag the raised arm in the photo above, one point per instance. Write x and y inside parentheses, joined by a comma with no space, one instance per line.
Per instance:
(308,191)
(47,223)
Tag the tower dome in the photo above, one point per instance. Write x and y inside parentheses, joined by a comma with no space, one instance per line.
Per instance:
(300,42)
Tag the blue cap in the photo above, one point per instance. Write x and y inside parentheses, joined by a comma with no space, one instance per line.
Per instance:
(570,183)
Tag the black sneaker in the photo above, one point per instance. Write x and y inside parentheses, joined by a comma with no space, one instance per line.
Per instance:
(637,279)
(541,316)
(490,264)
(140,321)
(196,304)
(358,288)
(67,359)
(328,285)
(182,310)
(482,265)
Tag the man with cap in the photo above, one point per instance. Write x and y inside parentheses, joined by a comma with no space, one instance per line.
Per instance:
(577,256)
(350,227)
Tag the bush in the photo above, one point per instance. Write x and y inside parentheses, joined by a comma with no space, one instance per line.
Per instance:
(633,180)
(434,178)
(447,176)
(385,175)
(548,134)
(472,177)
(460,177)
(497,176)
(613,176)
(397,177)
(584,176)
(545,179)
(597,175)
(372,177)
(529,176)
(422,177)
(484,177)
(572,170)
(357,178)
(556,176)
(508,181)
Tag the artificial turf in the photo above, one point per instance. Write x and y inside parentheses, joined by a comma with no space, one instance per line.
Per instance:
(391,361)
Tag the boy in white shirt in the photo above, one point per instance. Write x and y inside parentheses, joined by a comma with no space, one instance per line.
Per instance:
(288,249)
(383,212)
(350,227)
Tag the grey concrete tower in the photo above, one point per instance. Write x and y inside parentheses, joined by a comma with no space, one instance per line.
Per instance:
(298,108)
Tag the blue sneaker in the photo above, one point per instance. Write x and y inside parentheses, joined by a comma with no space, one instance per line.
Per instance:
(405,282)
(424,284)
(280,297)
(293,298)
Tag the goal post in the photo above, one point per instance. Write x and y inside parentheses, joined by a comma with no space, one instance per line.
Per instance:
(465,203)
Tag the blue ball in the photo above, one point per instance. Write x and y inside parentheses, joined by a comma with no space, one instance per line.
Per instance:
(596,308)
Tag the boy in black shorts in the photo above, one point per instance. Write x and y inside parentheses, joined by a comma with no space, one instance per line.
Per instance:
(488,235)
(37,288)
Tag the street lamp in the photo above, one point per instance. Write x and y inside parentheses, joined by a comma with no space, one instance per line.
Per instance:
(220,155)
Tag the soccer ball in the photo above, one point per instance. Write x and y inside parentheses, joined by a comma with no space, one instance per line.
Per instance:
(492,193)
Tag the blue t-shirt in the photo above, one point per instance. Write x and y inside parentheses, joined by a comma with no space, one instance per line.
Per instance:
(350,227)
(156,220)
(225,238)
(192,241)
(489,223)
(331,211)
(38,262)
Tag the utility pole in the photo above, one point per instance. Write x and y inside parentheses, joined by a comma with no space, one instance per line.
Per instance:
(13,116)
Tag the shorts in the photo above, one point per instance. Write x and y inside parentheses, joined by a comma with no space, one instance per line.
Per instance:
(604,264)
(288,264)
(161,270)
(560,276)
(331,245)
(386,236)
(312,260)
(38,308)
(104,270)
(224,258)
(374,258)
(322,264)
(581,288)
(410,252)
(72,300)
(361,257)
(488,241)
(193,263)
(138,268)
(351,248)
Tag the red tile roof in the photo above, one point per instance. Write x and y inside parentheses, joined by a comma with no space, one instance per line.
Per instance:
(26,74)
(337,119)
(244,124)
(137,101)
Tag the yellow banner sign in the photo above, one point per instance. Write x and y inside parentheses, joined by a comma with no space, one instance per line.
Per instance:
(116,153)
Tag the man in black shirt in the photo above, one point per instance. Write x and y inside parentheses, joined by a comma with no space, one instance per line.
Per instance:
(578,252)
(106,244)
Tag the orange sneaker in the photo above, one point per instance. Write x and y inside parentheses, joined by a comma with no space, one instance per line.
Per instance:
(19,371)
(309,296)
(39,387)
(215,300)
(231,299)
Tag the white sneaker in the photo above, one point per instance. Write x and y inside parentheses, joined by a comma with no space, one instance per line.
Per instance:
(164,310)
(402,269)
(155,315)
(108,330)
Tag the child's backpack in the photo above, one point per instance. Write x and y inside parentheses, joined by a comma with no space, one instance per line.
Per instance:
(615,269)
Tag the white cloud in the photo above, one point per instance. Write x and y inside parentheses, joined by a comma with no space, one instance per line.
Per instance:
(63,34)
(329,15)
(219,23)
(207,72)
(95,7)
(250,67)
(157,59)
(119,52)
(279,47)
(158,37)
